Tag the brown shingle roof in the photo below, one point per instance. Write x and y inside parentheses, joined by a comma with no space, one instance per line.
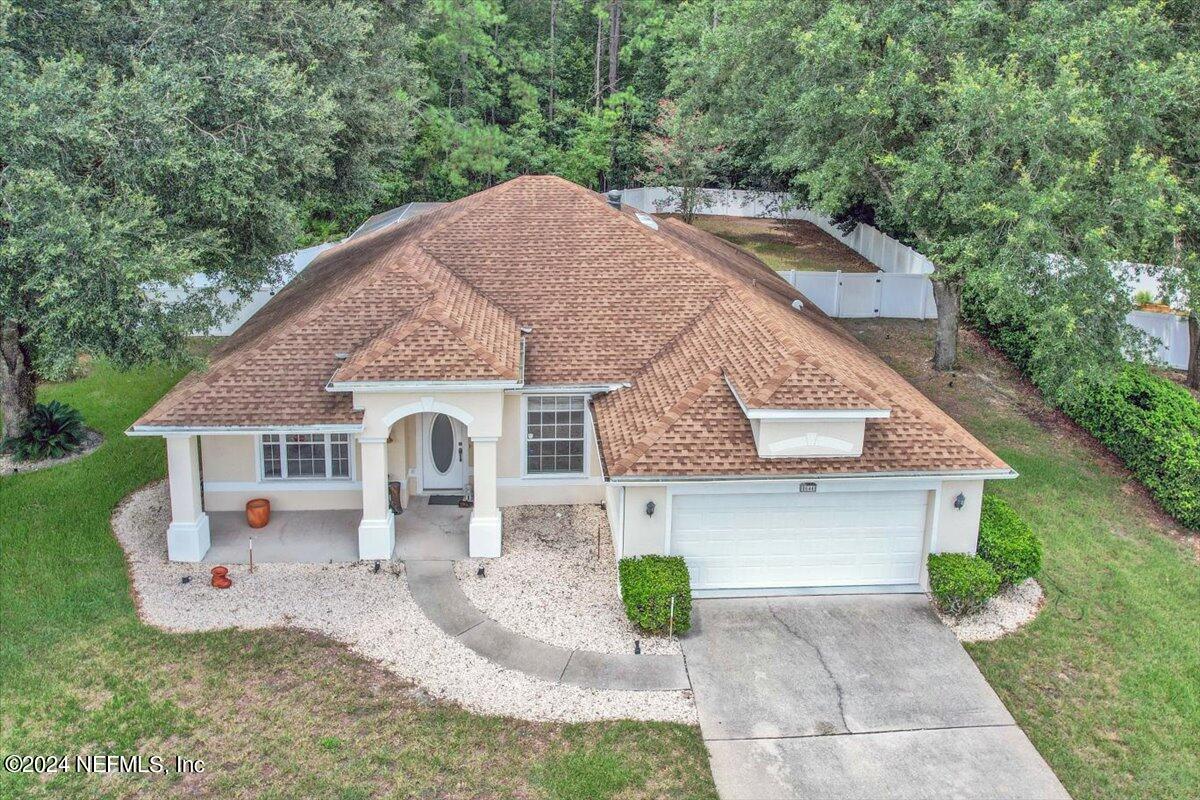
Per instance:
(684,317)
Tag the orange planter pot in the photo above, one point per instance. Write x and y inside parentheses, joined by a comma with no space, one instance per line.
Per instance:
(258,513)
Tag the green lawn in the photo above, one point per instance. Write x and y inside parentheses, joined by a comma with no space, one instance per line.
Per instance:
(1106,682)
(274,714)
(786,244)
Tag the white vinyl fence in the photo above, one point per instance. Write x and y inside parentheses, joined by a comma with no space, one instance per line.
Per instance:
(901,289)
(1170,331)
(872,294)
(871,243)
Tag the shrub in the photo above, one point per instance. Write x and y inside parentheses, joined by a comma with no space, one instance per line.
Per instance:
(1007,543)
(961,583)
(1153,425)
(1149,422)
(647,585)
(53,430)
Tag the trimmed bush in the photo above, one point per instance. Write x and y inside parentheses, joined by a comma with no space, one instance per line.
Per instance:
(1007,543)
(1149,422)
(53,431)
(961,583)
(1153,425)
(647,585)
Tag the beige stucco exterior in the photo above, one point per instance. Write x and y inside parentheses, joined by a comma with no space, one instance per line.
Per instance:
(220,472)
(958,528)
(230,480)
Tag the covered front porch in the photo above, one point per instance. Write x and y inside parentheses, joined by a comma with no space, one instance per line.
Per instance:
(420,445)
(423,531)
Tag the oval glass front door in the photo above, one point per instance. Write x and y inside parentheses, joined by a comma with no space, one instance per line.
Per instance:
(441,443)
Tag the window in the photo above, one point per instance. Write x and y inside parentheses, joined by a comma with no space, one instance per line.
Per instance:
(305,455)
(554,436)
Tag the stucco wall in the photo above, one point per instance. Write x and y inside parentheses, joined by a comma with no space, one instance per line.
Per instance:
(810,437)
(958,529)
(645,535)
(230,478)
(514,490)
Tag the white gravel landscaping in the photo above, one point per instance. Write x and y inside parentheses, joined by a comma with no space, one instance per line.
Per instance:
(1009,610)
(549,584)
(373,614)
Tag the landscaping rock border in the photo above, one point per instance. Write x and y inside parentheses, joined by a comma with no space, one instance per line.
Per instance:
(9,466)
(550,585)
(372,613)
(1008,611)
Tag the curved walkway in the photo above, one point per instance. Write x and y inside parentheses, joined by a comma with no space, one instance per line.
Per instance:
(436,591)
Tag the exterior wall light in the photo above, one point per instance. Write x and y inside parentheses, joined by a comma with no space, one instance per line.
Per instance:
(650,509)
(960,501)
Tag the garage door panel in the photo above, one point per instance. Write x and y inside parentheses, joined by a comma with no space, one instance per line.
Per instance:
(784,539)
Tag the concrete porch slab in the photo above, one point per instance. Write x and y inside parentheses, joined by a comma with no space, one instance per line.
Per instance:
(291,537)
(425,532)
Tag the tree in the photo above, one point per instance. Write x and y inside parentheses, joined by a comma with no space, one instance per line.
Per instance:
(965,127)
(678,155)
(1180,115)
(148,141)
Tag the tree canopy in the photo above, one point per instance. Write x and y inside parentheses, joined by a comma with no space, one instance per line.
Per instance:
(1025,146)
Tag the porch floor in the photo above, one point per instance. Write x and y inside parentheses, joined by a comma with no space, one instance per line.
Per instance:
(320,537)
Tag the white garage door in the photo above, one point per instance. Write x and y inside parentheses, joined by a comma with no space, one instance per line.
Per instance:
(743,541)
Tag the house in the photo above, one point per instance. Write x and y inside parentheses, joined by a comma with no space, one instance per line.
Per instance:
(537,344)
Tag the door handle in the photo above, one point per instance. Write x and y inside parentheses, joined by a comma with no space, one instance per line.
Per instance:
(460,451)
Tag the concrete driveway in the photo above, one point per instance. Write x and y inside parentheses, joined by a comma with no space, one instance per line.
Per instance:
(853,696)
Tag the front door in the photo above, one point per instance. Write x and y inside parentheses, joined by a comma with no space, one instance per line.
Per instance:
(445,459)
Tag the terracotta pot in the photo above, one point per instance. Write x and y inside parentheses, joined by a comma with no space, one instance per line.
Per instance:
(220,579)
(258,513)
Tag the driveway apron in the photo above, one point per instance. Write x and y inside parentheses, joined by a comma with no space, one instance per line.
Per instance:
(852,696)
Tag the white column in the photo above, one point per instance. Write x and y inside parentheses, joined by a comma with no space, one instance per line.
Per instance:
(377,531)
(187,536)
(484,540)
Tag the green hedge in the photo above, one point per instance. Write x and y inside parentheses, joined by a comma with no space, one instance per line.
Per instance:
(1007,543)
(961,583)
(1149,422)
(647,585)
(1153,425)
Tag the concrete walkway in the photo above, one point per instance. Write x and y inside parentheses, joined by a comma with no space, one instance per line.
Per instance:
(851,697)
(436,591)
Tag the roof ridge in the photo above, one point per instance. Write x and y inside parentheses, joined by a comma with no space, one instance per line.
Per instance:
(240,357)
(665,421)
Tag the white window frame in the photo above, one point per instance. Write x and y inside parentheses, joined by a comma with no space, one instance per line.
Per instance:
(587,440)
(328,477)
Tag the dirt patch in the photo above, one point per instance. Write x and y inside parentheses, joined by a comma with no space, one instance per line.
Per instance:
(786,243)
(986,384)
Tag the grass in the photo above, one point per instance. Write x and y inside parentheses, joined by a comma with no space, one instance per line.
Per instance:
(786,244)
(1106,681)
(273,714)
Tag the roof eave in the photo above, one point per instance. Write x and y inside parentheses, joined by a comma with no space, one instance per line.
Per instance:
(985,474)
(379,387)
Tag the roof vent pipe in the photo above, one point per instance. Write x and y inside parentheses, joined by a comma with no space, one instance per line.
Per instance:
(614,199)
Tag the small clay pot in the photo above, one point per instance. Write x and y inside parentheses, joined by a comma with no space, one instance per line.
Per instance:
(220,579)
(258,513)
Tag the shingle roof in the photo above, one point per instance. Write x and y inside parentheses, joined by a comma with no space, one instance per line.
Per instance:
(683,317)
